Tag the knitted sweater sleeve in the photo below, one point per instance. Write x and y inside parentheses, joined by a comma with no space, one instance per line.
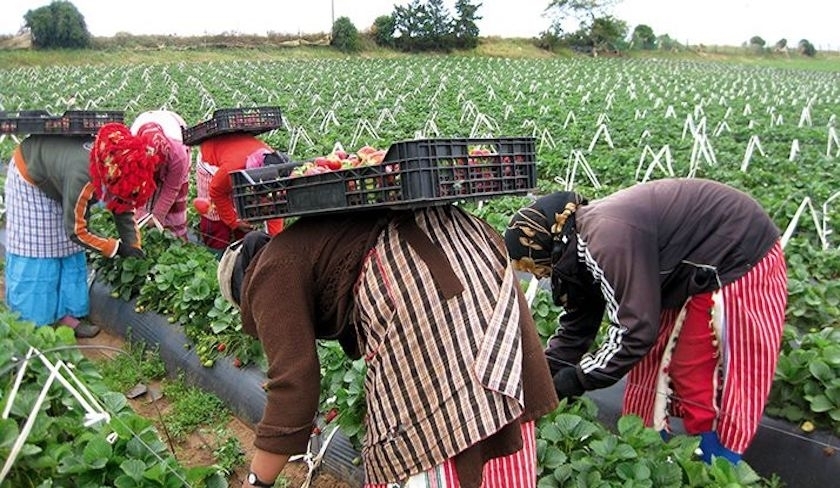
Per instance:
(286,328)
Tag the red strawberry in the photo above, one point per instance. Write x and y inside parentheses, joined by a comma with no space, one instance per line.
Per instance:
(202,205)
(331,415)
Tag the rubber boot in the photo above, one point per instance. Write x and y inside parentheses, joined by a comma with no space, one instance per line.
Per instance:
(710,446)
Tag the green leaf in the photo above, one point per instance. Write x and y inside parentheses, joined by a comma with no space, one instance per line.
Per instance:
(8,432)
(820,370)
(604,447)
(134,468)
(97,452)
(821,403)
(125,481)
(566,423)
(550,433)
(630,425)
(554,458)
(114,402)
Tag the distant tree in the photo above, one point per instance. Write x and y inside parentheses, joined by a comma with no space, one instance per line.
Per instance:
(665,42)
(383,31)
(581,9)
(436,29)
(57,25)
(806,48)
(608,33)
(551,38)
(643,37)
(345,36)
(780,46)
(464,28)
(757,42)
(408,25)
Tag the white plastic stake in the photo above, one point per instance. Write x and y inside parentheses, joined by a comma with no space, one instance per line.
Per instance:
(531,292)
(794,150)
(832,139)
(602,129)
(753,144)
(570,117)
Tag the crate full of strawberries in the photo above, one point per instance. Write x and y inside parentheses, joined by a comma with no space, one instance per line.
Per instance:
(409,174)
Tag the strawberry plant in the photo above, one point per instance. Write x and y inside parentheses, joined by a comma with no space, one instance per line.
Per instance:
(574,449)
(807,384)
(63,448)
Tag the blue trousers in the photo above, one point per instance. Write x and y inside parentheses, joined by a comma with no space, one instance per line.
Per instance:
(43,290)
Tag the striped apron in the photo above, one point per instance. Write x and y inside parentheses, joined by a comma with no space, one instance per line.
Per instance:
(442,372)
(518,470)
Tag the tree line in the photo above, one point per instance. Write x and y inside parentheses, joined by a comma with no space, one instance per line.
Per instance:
(427,25)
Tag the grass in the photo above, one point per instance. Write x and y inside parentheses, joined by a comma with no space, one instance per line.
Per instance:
(192,408)
(138,364)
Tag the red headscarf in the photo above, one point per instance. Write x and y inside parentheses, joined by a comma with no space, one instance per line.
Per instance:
(122,168)
(152,133)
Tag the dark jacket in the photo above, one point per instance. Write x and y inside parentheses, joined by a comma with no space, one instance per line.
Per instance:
(648,248)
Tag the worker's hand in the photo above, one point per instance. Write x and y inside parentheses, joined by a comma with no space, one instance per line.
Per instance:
(127,251)
(567,384)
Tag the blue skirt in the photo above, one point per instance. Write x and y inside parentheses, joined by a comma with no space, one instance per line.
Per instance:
(43,290)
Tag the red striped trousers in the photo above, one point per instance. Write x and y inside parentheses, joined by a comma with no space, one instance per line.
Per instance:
(725,394)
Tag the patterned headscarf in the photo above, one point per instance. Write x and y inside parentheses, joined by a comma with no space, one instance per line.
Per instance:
(539,232)
(122,168)
(153,135)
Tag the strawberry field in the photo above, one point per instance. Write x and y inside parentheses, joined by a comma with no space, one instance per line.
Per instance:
(600,125)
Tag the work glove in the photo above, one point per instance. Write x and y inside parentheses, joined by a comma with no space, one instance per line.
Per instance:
(126,251)
(567,384)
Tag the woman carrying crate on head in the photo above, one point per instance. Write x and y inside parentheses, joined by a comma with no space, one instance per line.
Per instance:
(167,207)
(52,183)
(428,298)
(217,158)
(227,142)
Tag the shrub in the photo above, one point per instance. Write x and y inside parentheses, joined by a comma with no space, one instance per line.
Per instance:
(806,48)
(57,25)
(345,36)
(383,31)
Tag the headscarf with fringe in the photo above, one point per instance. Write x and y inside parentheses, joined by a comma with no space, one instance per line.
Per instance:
(122,168)
(537,239)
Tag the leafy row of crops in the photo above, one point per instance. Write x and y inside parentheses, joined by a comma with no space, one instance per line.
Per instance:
(601,125)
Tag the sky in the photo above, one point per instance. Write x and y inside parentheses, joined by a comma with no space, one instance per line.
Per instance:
(711,22)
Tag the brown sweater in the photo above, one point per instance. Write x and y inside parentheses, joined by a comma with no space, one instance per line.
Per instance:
(301,288)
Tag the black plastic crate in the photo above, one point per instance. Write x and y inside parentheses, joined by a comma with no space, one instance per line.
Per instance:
(72,122)
(28,122)
(413,174)
(251,120)
(90,121)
